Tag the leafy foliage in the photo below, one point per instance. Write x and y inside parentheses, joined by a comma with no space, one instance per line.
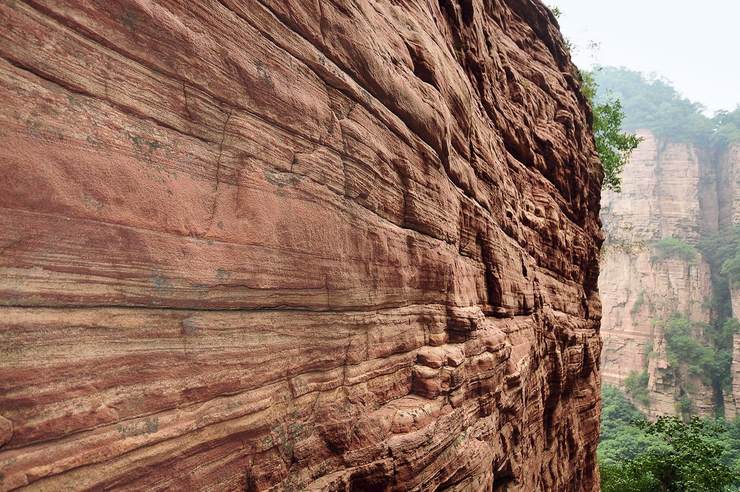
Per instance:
(636,384)
(684,407)
(555,11)
(626,477)
(654,104)
(672,247)
(683,347)
(668,455)
(613,145)
(621,438)
(694,460)
(727,126)
(700,350)
(720,335)
(639,302)
(705,350)
(722,250)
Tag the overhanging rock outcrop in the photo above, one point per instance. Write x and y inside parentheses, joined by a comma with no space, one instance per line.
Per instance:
(296,245)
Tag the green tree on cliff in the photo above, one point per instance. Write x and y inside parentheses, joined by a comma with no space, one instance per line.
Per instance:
(727,127)
(613,145)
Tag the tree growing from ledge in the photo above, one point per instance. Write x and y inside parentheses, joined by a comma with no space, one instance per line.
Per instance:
(636,384)
(613,145)
(673,247)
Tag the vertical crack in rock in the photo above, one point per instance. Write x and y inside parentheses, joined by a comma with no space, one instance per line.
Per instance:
(217,179)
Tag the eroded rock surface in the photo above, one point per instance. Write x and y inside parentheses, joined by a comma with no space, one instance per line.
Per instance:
(670,190)
(661,197)
(295,245)
(732,397)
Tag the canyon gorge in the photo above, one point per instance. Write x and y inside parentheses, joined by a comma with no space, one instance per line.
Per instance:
(656,276)
(312,245)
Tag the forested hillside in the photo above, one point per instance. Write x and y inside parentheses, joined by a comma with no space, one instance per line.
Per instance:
(652,103)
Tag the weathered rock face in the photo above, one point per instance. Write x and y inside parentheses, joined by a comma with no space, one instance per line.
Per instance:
(295,245)
(669,190)
(637,290)
(661,197)
(729,177)
(728,188)
(732,398)
(728,215)
(660,194)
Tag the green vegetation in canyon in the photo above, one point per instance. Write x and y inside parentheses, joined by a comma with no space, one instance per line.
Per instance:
(636,384)
(673,247)
(683,453)
(652,104)
(639,302)
(720,336)
(621,439)
(667,455)
(722,251)
(695,350)
(727,126)
(698,351)
(683,346)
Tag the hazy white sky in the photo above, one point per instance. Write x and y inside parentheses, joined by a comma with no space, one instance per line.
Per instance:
(694,44)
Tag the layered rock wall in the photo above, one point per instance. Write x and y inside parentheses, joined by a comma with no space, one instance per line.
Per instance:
(730,216)
(661,197)
(728,187)
(295,245)
(639,291)
(732,398)
(670,190)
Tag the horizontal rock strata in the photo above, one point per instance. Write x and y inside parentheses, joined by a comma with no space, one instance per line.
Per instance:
(670,190)
(291,245)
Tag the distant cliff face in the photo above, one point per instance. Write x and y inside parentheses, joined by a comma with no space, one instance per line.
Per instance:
(295,245)
(673,195)
(732,399)
(660,194)
(728,187)
(728,181)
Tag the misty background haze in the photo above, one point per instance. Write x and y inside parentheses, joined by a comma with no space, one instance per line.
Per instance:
(693,44)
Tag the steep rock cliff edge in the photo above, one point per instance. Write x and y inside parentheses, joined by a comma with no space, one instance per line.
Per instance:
(295,245)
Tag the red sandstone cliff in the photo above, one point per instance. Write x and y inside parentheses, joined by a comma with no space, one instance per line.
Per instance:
(732,398)
(660,197)
(669,190)
(295,245)
(729,200)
